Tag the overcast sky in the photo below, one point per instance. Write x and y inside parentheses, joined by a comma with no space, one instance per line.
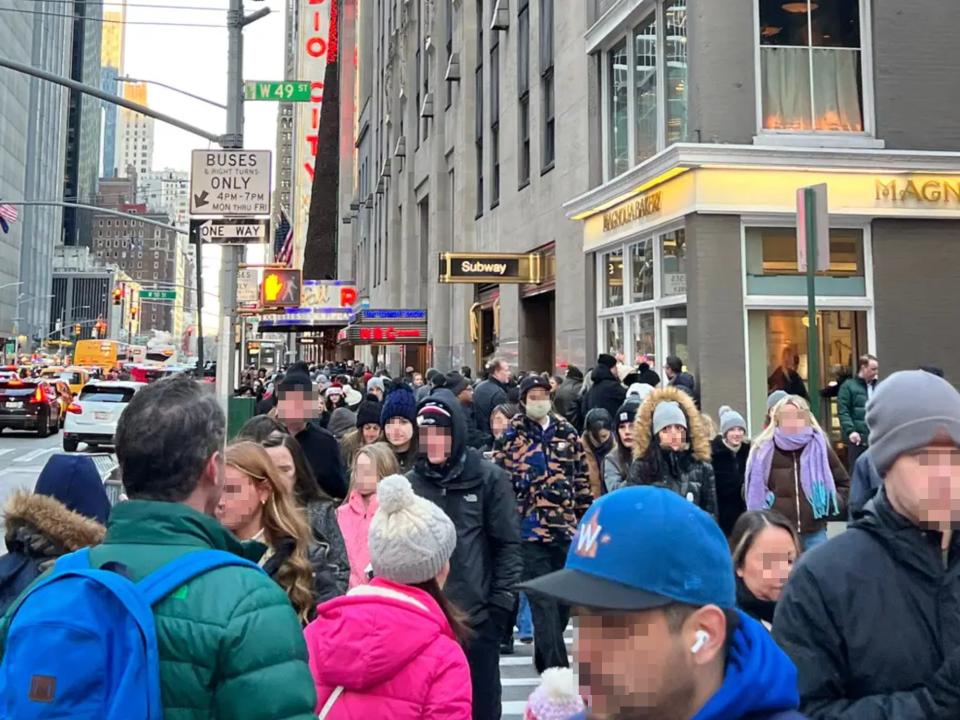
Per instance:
(195,59)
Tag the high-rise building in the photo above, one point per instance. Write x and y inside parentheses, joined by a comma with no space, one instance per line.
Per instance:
(83,126)
(111,61)
(166,191)
(285,121)
(150,255)
(32,127)
(134,134)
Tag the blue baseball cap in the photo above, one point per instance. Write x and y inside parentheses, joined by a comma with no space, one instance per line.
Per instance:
(641,548)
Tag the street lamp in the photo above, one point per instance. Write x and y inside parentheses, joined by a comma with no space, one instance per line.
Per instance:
(127,79)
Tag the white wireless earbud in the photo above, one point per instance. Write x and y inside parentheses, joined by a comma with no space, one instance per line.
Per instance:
(703,637)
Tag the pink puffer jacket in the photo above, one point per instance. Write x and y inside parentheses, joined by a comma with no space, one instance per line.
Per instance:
(354,520)
(391,648)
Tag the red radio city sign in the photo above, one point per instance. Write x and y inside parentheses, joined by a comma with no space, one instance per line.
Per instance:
(318,35)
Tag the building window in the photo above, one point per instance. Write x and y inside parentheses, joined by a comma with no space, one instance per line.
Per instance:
(810,66)
(495,120)
(771,254)
(478,107)
(651,63)
(449,45)
(673,263)
(547,85)
(613,278)
(523,92)
(641,270)
(618,132)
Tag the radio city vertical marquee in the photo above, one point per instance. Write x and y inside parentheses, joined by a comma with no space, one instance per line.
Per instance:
(316,40)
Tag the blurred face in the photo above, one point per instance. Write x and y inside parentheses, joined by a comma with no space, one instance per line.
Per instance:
(672,437)
(436,443)
(870,372)
(502,373)
(283,462)
(296,406)
(365,475)
(417,380)
(241,504)
(768,563)
(735,436)
(626,434)
(370,433)
(792,419)
(631,666)
(538,394)
(924,486)
(498,424)
(399,432)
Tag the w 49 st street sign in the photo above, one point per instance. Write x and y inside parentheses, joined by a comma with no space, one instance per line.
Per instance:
(283,91)
(156,294)
(230,182)
(230,231)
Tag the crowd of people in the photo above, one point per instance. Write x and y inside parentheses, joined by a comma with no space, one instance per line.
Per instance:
(383,541)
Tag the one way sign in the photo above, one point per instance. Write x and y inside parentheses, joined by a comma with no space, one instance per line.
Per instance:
(230,231)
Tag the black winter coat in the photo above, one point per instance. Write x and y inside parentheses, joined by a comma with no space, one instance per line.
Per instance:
(606,392)
(486,396)
(478,497)
(680,472)
(323,454)
(567,402)
(869,620)
(728,472)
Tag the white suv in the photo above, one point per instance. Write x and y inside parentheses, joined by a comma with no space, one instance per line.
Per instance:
(92,418)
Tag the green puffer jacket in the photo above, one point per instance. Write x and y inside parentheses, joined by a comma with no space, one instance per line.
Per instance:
(852,409)
(230,644)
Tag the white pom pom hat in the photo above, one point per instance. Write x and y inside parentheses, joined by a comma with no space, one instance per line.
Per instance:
(410,538)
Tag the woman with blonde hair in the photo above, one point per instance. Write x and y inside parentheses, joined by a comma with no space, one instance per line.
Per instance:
(793,470)
(257,505)
(371,464)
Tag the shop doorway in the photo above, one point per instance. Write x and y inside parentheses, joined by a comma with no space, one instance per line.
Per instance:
(674,334)
(779,357)
(537,342)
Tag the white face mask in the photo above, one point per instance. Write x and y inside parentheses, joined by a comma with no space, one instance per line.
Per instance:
(538,409)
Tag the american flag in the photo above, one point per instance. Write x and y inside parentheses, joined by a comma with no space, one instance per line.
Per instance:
(8,214)
(284,254)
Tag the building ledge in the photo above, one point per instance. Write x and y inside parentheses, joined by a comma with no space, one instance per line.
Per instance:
(681,157)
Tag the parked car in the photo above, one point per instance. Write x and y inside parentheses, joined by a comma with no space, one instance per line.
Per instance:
(92,418)
(29,404)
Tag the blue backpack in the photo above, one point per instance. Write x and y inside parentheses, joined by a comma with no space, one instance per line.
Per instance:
(82,643)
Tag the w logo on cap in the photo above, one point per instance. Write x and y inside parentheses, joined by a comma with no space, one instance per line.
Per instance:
(587,537)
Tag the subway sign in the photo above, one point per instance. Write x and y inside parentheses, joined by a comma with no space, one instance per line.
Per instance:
(490,267)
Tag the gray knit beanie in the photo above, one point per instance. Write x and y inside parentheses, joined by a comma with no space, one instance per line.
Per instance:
(907,411)
(668,413)
(775,397)
(410,538)
(730,419)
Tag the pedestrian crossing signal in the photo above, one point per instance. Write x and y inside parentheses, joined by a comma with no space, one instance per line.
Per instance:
(280,288)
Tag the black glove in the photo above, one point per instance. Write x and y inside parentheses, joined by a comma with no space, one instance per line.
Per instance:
(500,617)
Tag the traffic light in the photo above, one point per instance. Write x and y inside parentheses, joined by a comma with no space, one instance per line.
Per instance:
(76,329)
(134,311)
(118,295)
(280,288)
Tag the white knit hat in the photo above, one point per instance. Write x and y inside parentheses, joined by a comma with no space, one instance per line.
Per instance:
(410,538)
(556,698)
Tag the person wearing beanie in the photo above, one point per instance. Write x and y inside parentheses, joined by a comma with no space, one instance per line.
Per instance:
(424,390)
(545,459)
(393,648)
(671,448)
(556,698)
(898,567)
(486,565)
(659,634)
(648,375)
(67,511)
(729,451)
(375,386)
(298,410)
(616,466)
(639,390)
(461,389)
(398,419)
(367,431)
(793,469)
(606,391)
(566,402)
(598,442)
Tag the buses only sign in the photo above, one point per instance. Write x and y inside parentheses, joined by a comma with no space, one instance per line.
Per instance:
(230,182)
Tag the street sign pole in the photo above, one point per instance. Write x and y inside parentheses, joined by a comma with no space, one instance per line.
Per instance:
(813,238)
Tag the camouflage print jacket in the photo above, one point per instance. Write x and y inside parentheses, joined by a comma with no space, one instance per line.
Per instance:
(548,469)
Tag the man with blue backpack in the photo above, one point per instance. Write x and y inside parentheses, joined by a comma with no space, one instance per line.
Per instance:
(170,617)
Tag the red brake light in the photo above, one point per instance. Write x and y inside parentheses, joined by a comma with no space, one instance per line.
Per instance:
(75,409)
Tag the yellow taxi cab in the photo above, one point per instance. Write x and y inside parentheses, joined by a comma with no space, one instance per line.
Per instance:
(64,397)
(75,377)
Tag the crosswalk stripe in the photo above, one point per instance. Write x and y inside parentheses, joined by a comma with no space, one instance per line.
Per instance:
(33,455)
(530,682)
(514,707)
(4,452)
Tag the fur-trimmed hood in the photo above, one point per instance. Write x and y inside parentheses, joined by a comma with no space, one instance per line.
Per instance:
(41,526)
(696,433)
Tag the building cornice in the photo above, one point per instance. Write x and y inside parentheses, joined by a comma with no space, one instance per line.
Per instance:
(688,156)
